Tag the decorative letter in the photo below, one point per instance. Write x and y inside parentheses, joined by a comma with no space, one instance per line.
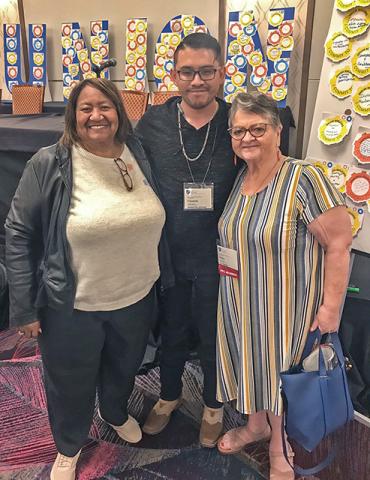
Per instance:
(137,37)
(75,55)
(244,46)
(171,35)
(37,54)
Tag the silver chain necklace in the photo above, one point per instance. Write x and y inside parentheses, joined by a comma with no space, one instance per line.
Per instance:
(189,159)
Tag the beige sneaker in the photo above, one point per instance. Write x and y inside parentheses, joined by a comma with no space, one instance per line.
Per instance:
(64,468)
(160,415)
(211,426)
(130,431)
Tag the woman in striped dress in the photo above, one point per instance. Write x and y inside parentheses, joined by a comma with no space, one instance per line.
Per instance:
(284,247)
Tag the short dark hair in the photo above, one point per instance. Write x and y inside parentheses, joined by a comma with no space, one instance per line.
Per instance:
(258,103)
(107,88)
(197,41)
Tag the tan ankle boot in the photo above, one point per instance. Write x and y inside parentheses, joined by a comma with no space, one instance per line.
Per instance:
(160,415)
(130,431)
(211,426)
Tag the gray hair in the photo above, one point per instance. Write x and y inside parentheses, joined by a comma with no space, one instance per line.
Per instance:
(258,103)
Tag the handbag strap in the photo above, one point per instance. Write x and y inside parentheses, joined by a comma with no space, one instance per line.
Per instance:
(312,338)
(342,365)
(316,337)
(305,472)
(334,339)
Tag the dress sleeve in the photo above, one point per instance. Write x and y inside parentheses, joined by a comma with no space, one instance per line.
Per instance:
(316,194)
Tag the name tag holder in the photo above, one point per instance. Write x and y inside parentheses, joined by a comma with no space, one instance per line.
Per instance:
(198,196)
(227,262)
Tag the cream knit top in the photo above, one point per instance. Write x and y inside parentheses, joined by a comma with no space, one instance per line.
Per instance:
(113,233)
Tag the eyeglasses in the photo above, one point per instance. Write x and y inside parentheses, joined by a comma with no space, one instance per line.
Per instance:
(205,73)
(258,130)
(126,177)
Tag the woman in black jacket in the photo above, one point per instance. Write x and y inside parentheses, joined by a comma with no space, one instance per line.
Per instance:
(82,240)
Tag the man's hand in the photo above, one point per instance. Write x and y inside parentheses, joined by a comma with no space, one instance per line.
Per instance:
(32,330)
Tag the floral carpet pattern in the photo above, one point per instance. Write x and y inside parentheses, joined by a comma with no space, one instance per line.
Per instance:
(27,449)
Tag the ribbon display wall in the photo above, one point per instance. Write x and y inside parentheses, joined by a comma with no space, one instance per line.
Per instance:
(350,45)
(347,50)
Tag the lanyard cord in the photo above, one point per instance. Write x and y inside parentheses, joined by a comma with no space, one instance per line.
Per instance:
(209,163)
(190,159)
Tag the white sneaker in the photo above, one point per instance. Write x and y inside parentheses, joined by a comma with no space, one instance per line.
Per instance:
(64,468)
(130,431)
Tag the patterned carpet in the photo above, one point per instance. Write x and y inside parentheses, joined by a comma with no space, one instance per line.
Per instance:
(27,449)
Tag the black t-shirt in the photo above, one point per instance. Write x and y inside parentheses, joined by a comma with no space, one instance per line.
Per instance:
(192,234)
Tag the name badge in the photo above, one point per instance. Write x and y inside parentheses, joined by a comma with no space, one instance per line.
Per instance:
(198,196)
(227,262)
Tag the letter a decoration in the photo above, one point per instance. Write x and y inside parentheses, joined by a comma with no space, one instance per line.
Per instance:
(171,35)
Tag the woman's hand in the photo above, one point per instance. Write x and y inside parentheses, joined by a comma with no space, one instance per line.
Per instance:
(327,320)
(32,330)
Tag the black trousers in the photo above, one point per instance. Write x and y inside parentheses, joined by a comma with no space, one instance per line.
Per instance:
(86,351)
(191,303)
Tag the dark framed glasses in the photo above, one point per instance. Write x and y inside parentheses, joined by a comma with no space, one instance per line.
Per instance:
(257,130)
(126,177)
(205,73)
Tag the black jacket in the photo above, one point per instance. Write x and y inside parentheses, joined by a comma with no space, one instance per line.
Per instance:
(4,302)
(37,251)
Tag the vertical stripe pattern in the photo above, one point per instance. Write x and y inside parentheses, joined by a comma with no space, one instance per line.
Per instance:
(265,314)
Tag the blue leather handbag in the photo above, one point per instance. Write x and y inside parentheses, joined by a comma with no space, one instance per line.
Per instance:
(316,403)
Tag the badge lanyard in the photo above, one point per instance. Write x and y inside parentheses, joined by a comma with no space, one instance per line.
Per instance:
(197,196)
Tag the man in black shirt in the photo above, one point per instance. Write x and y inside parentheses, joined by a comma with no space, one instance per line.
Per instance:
(189,148)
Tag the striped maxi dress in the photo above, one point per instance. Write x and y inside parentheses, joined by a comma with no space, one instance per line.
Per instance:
(264,315)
